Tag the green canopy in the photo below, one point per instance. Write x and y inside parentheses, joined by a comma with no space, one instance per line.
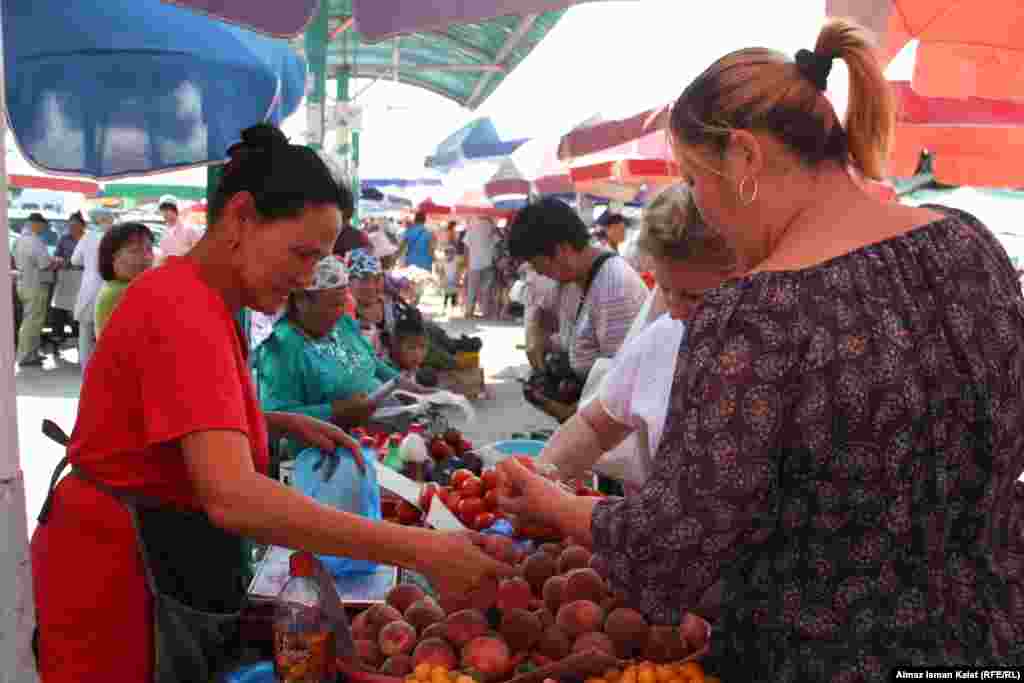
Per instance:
(465,62)
(143,191)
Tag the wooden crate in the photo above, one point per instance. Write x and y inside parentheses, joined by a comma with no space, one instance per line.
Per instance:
(468,382)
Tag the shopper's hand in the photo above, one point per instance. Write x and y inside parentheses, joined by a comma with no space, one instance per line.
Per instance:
(556,409)
(461,572)
(529,497)
(319,434)
(353,411)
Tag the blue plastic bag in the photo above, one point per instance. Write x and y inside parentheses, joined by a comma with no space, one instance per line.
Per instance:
(335,480)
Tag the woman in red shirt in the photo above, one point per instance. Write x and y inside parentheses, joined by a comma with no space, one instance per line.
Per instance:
(168,413)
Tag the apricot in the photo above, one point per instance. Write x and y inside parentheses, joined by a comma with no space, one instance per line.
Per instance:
(628,630)
(424,613)
(397,638)
(435,652)
(464,626)
(584,584)
(520,629)
(579,617)
(402,596)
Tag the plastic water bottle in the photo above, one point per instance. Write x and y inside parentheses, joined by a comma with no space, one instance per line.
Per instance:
(304,638)
(394,458)
(414,453)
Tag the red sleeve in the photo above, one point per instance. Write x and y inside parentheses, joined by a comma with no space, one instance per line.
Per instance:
(189,376)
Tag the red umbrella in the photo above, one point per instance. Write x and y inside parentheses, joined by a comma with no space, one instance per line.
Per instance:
(428,207)
(55,184)
(623,180)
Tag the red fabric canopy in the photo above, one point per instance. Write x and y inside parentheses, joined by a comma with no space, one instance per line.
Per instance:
(54,184)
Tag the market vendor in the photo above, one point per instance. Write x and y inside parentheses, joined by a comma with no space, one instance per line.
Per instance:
(618,432)
(598,296)
(170,444)
(316,361)
(843,438)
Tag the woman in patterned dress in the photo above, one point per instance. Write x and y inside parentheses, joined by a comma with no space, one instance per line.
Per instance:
(844,441)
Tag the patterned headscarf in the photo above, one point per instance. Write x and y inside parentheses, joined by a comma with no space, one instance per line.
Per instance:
(330,273)
(363,264)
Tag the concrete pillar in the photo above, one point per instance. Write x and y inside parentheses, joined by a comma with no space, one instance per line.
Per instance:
(316,80)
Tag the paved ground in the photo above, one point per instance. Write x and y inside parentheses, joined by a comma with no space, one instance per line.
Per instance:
(52,392)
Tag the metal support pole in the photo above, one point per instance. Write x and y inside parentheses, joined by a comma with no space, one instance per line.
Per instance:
(347,143)
(316,80)
(17,609)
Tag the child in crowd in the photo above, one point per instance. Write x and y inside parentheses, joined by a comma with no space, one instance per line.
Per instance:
(409,344)
(452,272)
(370,317)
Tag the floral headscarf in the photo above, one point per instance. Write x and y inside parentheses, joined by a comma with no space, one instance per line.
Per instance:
(330,273)
(363,264)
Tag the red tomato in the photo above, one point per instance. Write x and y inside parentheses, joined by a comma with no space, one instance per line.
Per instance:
(472,488)
(427,495)
(444,493)
(469,507)
(490,479)
(491,500)
(459,476)
(453,501)
(484,521)
(407,513)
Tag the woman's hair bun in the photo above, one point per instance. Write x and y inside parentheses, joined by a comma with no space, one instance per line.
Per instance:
(262,137)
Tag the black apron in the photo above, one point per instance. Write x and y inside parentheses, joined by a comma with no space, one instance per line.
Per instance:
(195,574)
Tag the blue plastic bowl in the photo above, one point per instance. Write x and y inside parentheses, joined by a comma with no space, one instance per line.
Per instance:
(255,673)
(519,446)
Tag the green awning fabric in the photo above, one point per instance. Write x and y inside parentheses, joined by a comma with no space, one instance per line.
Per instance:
(465,62)
(144,191)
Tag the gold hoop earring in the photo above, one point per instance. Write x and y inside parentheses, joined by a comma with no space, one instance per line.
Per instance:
(740,191)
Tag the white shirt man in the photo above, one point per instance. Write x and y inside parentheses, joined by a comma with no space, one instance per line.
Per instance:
(87,257)
(481,240)
(35,270)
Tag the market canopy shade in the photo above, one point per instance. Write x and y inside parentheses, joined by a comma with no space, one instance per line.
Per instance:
(972,141)
(127,87)
(25,182)
(146,191)
(464,62)
(279,19)
(965,49)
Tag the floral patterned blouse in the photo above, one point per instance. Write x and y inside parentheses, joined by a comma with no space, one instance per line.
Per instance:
(841,452)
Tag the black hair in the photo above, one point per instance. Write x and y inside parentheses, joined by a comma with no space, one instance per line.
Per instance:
(114,240)
(77,216)
(542,225)
(282,178)
(421,217)
(409,324)
(169,205)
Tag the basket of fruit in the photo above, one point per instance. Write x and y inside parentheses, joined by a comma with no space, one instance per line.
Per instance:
(557,619)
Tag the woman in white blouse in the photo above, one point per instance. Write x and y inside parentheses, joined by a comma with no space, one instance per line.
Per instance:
(619,426)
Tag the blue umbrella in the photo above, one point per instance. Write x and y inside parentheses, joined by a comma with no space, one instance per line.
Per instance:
(476,141)
(123,87)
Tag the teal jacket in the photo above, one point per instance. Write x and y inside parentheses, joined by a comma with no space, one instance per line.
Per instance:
(295,374)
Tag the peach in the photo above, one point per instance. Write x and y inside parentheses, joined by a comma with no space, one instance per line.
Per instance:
(368,653)
(554,643)
(520,629)
(628,630)
(435,652)
(664,645)
(464,626)
(573,557)
(399,665)
(693,632)
(546,616)
(424,613)
(538,568)
(487,656)
(577,618)
(362,629)
(397,638)
(552,548)
(554,592)
(594,642)
(404,595)
(584,584)
(436,630)
(380,615)
(514,593)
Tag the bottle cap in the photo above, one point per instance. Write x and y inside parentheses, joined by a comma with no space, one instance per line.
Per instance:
(302,564)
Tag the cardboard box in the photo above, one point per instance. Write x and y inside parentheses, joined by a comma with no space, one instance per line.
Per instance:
(468,382)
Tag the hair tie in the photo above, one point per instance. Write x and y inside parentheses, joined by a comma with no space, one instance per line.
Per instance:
(815,67)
